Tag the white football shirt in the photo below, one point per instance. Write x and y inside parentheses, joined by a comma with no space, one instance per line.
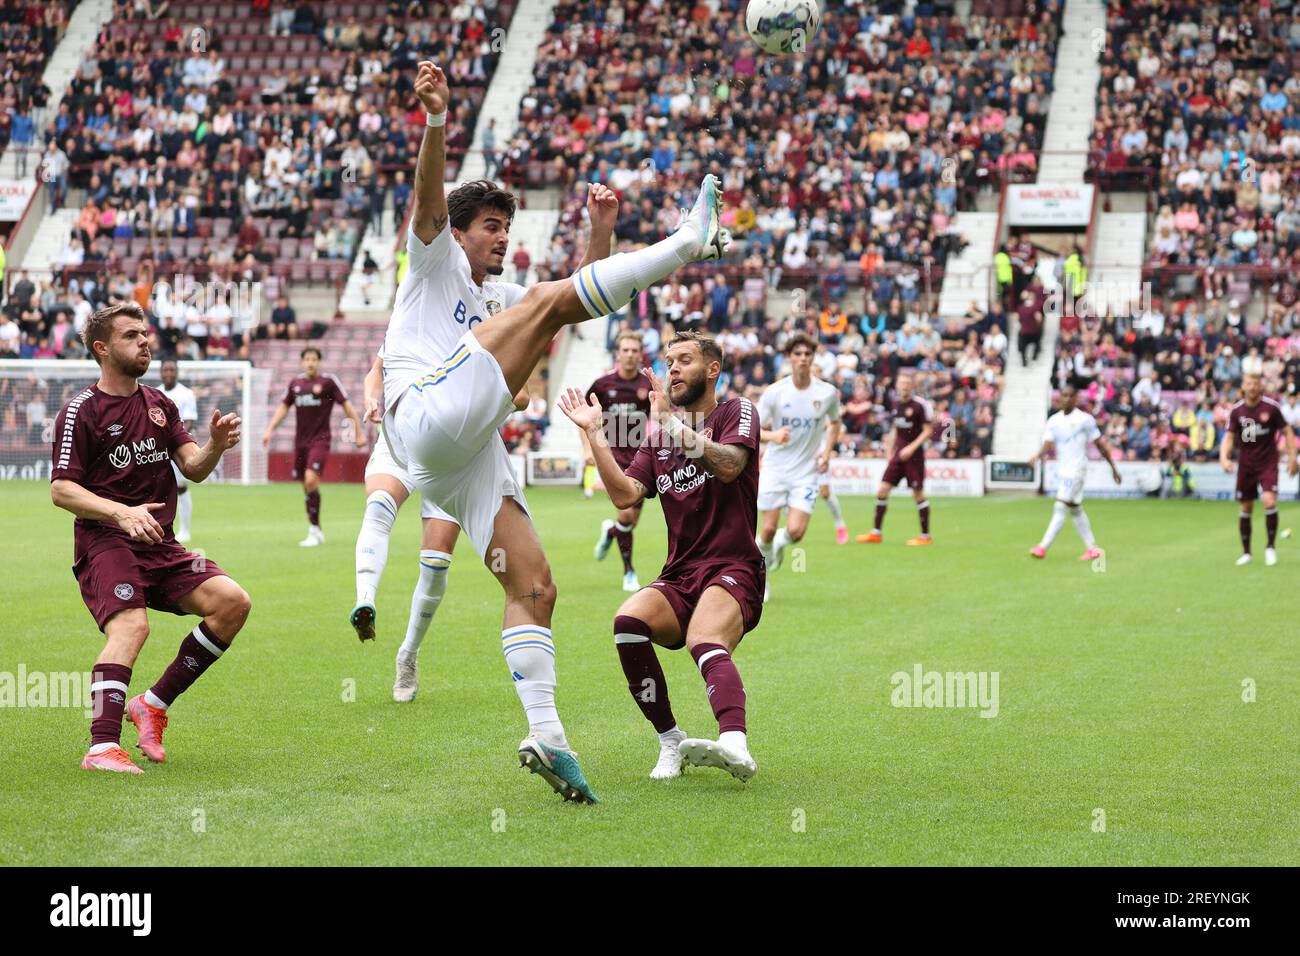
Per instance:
(436,304)
(185,402)
(805,411)
(1071,434)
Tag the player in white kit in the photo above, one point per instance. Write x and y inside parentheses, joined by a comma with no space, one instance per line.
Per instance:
(443,406)
(798,415)
(1069,431)
(188,406)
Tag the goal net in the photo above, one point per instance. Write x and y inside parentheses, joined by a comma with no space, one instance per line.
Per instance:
(32,391)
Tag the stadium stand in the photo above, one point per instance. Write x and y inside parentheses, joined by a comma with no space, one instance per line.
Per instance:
(1196,107)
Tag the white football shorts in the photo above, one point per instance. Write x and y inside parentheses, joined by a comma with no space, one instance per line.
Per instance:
(781,491)
(444,433)
(381,463)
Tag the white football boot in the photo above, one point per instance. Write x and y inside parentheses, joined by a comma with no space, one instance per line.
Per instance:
(729,752)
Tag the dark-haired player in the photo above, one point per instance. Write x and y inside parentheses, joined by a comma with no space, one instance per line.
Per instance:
(1253,427)
(799,414)
(703,465)
(905,448)
(443,412)
(313,396)
(114,444)
(624,394)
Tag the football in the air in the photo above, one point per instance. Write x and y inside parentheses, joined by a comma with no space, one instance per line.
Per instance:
(783,26)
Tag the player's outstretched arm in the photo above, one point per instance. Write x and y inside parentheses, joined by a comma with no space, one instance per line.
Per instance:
(602,212)
(430,214)
(586,413)
(138,521)
(197,463)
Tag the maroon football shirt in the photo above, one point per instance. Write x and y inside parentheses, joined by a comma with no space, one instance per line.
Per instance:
(708,520)
(120,448)
(314,399)
(626,402)
(1254,429)
(910,419)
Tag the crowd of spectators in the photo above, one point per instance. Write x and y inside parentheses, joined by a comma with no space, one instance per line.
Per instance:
(29,32)
(277,139)
(1198,104)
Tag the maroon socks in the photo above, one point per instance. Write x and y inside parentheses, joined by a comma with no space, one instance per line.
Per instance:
(923,512)
(1243,525)
(1270,525)
(725,689)
(108,689)
(313,508)
(645,677)
(880,514)
(199,650)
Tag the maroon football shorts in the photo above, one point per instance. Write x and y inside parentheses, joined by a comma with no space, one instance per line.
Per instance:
(311,456)
(157,576)
(1250,480)
(684,588)
(913,470)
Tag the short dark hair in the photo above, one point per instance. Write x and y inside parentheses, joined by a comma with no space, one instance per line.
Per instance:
(708,347)
(467,201)
(310,348)
(166,362)
(99,327)
(800,339)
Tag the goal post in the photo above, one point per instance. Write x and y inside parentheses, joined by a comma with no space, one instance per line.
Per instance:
(32,391)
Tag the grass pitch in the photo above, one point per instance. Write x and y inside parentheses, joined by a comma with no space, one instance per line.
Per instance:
(1120,702)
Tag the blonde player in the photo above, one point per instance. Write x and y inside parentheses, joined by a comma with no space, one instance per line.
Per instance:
(1069,431)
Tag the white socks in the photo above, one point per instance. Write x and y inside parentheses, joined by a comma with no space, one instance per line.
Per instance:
(833,502)
(1083,526)
(184,509)
(765,549)
(608,285)
(780,542)
(372,543)
(424,602)
(1054,526)
(734,740)
(672,737)
(530,655)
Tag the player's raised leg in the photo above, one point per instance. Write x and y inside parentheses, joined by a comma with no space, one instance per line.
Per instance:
(516,557)
(646,619)
(385,496)
(714,632)
(438,540)
(124,634)
(518,336)
(223,606)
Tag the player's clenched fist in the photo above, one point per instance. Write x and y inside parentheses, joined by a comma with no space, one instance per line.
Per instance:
(432,88)
(224,429)
(602,207)
(140,524)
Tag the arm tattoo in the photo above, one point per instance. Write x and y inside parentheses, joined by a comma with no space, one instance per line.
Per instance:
(639,488)
(725,461)
(439,223)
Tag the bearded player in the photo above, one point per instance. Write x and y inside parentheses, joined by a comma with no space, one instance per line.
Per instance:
(703,464)
(188,406)
(797,415)
(441,419)
(905,449)
(114,445)
(624,394)
(313,396)
(1253,427)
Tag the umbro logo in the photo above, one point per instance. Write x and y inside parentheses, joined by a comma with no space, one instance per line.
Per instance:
(115,429)
(729,579)
(191,663)
(664,453)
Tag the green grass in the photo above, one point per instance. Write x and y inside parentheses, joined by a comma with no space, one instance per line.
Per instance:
(1119,689)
